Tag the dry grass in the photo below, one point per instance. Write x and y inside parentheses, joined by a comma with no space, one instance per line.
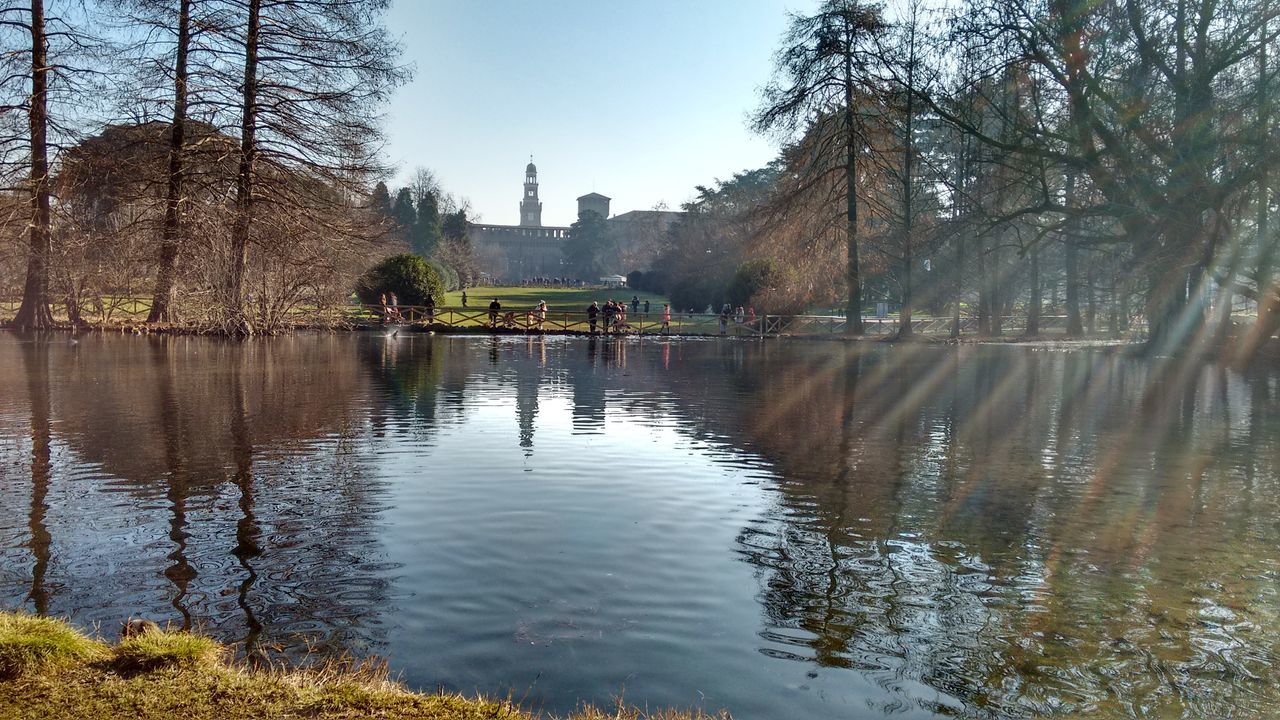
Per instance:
(59,672)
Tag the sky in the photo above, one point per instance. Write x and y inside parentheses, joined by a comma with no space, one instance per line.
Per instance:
(637,100)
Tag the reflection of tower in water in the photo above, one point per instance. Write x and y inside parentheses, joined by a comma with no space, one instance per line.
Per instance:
(528,380)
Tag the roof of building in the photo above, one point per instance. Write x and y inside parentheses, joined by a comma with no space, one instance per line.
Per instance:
(531,168)
(646,214)
(595,196)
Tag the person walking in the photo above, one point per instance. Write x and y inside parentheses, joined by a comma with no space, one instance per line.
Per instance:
(386,314)
(666,319)
(395,306)
(495,307)
(646,307)
(635,304)
(593,311)
(725,312)
(430,305)
(464,298)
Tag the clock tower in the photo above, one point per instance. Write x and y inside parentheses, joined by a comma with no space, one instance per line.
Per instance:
(530,207)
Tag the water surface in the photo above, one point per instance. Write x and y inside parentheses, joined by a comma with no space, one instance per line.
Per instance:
(785,530)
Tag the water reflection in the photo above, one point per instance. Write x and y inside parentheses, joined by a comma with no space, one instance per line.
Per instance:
(782,529)
(36,362)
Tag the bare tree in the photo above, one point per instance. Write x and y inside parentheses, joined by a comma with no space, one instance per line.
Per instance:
(820,71)
(314,73)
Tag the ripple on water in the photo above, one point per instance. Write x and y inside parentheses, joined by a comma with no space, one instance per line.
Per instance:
(783,529)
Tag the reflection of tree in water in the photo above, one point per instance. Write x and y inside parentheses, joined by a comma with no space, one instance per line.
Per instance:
(419,379)
(180,573)
(247,530)
(241,460)
(36,362)
(1004,527)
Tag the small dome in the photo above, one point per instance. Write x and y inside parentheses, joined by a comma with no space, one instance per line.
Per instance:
(531,168)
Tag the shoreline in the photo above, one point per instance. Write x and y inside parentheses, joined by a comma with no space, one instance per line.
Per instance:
(143,329)
(50,669)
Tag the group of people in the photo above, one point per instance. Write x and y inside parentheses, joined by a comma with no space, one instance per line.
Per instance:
(614,315)
(391,308)
(536,317)
(738,315)
(609,318)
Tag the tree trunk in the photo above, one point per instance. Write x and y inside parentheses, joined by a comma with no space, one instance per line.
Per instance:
(1071,266)
(1165,299)
(235,321)
(1033,306)
(162,299)
(984,295)
(1091,302)
(1268,300)
(1113,307)
(853,274)
(1126,315)
(908,145)
(1075,325)
(955,312)
(996,298)
(34,313)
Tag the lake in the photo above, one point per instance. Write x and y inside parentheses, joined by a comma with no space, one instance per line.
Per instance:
(783,529)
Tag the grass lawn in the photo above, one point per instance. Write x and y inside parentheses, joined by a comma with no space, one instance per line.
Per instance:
(48,669)
(558,299)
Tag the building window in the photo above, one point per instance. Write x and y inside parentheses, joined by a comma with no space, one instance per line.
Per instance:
(530,193)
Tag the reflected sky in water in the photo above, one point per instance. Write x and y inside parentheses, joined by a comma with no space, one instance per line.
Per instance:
(782,529)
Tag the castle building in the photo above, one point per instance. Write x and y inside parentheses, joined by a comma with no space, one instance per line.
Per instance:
(511,253)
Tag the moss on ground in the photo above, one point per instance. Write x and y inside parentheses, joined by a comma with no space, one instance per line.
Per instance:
(59,672)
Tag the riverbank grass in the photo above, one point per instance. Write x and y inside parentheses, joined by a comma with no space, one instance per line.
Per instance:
(33,644)
(158,649)
(52,670)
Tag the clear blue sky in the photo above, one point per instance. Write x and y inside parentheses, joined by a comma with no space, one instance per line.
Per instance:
(640,101)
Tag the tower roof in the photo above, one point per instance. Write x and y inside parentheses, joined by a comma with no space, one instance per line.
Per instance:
(531,168)
(595,195)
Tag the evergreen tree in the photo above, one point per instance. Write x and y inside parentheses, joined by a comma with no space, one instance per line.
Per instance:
(454,226)
(402,211)
(587,251)
(426,231)
(381,200)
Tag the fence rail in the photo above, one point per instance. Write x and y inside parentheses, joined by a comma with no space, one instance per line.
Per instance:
(131,310)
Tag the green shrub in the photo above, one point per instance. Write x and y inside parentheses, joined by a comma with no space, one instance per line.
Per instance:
(28,642)
(165,648)
(410,277)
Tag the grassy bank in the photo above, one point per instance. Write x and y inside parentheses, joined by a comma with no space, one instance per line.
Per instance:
(558,299)
(48,669)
